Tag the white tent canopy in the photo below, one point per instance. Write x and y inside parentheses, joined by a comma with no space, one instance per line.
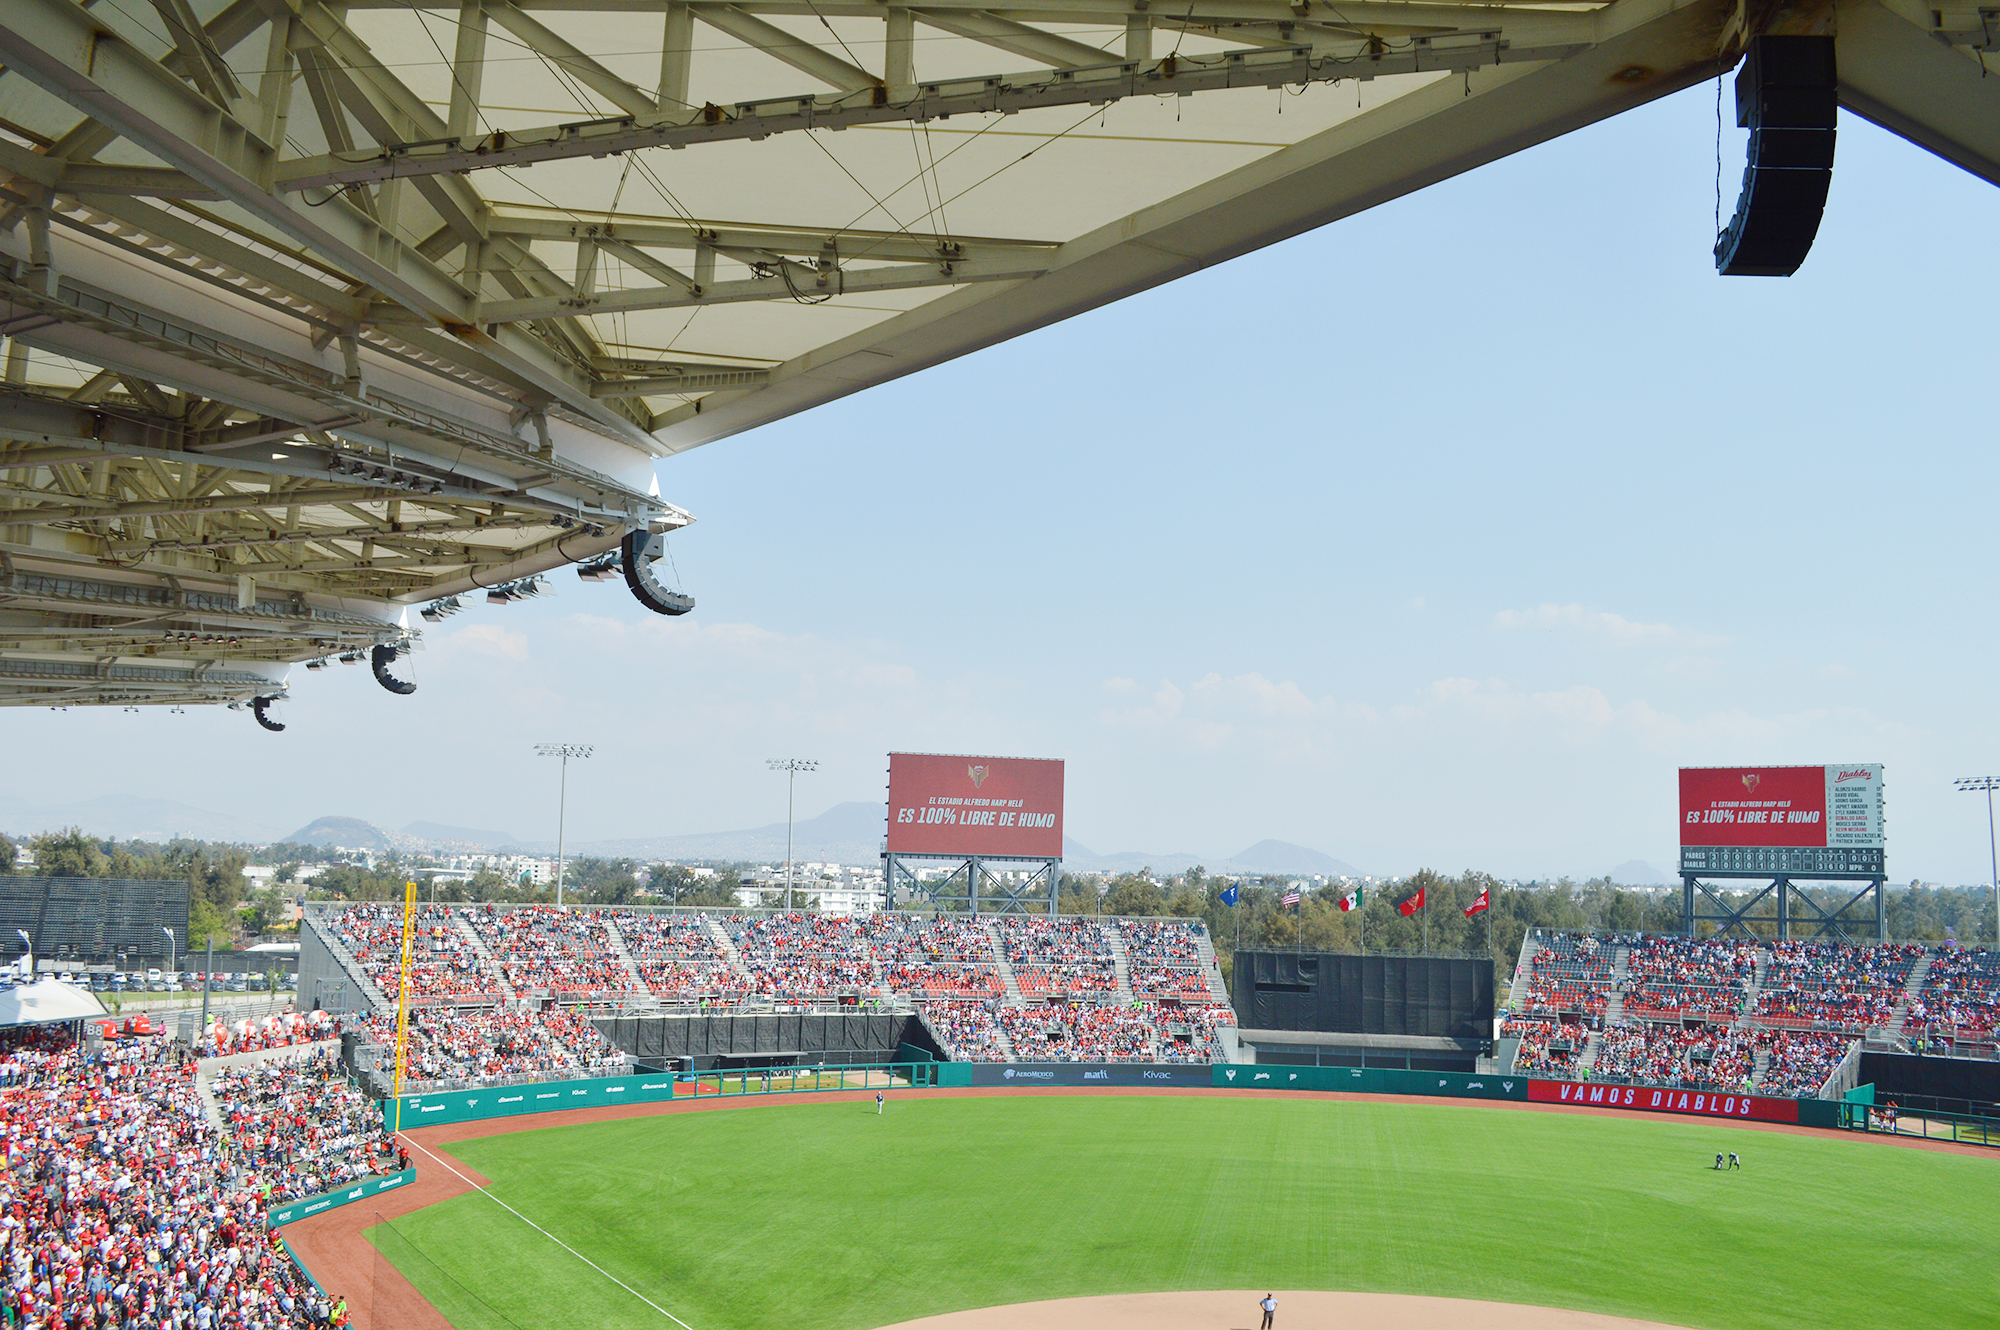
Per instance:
(45,1002)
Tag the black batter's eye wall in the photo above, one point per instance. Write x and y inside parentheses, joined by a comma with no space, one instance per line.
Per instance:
(1444,997)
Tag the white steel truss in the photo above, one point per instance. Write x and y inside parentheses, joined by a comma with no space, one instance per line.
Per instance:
(317,310)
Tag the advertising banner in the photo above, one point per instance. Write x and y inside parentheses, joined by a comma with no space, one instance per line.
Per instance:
(1782,819)
(1027,1075)
(1005,807)
(1650,1099)
(1371,1080)
(307,1206)
(501,1101)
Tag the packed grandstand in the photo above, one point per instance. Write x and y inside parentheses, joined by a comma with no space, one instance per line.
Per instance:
(1737,1013)
(141,1169)
(491,984)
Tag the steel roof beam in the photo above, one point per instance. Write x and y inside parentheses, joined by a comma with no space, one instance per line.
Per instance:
(1907,79)
(797,284)
(55,45)
(994,94)
(745,235)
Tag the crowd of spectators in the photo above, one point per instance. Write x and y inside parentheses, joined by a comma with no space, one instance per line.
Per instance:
(551,949)
(443,962)
(496,1043)
(302,1124)
(1113,1032)
(122,1205)
(1569,973)
(1546,1045)
(1835,985)
(1150,980)
(1675,977)
(1161,941)
(803,955)
(919,940)
(942,979)
(1801,1060)
(970,1031)
(1696,1058)
(1961,995)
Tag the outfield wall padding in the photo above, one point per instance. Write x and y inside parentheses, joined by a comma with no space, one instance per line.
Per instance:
(1368,1080)
(505,1101)
(307,1206)
(1658,1099)
(1029,1074)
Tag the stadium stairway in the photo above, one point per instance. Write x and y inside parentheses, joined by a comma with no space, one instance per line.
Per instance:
(1517,996)
(1588,1062)
(1762,1065)
(1007,980)
(1914,986)
(1757,977)
(1218,991)
(486,953)
(1121,963)
(624,955)
(374,997)
(721,936)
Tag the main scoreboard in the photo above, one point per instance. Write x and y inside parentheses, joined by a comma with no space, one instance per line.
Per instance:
(1803,821)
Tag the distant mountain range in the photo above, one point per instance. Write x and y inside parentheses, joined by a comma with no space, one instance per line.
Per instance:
(131,817)
(849,833)
(1639,873)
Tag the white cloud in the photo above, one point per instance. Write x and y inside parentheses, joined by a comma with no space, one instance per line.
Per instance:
(1603,624)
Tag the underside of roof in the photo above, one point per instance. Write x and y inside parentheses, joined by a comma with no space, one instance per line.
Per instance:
(317,311)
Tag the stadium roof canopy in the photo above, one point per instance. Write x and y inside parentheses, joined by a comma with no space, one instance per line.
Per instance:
(45,1002)
(319,310)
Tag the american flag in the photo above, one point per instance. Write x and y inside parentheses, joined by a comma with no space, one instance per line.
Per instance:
(1292,895)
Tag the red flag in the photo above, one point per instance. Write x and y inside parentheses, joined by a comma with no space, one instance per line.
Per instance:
(1483,903)
(1413,904)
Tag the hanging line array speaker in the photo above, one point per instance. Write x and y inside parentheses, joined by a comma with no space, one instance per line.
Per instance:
(1786,97)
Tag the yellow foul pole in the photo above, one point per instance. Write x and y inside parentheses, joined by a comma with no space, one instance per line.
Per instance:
(403,996)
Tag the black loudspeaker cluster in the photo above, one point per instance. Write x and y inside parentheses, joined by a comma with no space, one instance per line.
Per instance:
(1786,96)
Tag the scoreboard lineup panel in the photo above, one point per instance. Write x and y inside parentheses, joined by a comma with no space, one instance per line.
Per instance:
(1818,821)
(958,804)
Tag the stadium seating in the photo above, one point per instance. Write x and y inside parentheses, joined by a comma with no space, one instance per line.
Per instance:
(444,965)
(1830,985)
(470,1025)
(461,1045)
(135,1212)
(1961,996)
(302,1122)
(544,950)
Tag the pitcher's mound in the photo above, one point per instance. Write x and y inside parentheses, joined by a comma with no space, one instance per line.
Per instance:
(1296,1311)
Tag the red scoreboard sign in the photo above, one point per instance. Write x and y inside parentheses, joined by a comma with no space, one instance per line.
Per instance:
(1703,1103)
(1782,819)
(1005,807)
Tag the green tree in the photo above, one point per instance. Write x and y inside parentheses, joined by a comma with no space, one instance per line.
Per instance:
(7,852)
(69,853)
(1135,893)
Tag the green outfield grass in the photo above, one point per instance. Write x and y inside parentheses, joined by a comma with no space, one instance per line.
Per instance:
(824,1215)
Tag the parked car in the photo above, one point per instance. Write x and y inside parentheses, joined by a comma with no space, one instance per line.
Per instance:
(118,981)
(239,982)
(260,983)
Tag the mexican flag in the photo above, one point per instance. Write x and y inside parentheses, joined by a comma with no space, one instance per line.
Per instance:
(1352,900)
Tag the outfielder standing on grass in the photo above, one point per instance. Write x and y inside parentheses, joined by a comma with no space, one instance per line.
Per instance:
(878,1103)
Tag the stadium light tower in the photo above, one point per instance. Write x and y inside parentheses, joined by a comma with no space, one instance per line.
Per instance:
(170,946)
(565,752)
(1988,784)
(791,766)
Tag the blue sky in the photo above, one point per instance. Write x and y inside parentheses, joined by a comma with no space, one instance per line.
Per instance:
(1437,537)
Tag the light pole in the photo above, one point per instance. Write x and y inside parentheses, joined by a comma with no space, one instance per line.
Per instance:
(27,957)
(170,947)
(565,752)
(1988,784)
(791,766)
